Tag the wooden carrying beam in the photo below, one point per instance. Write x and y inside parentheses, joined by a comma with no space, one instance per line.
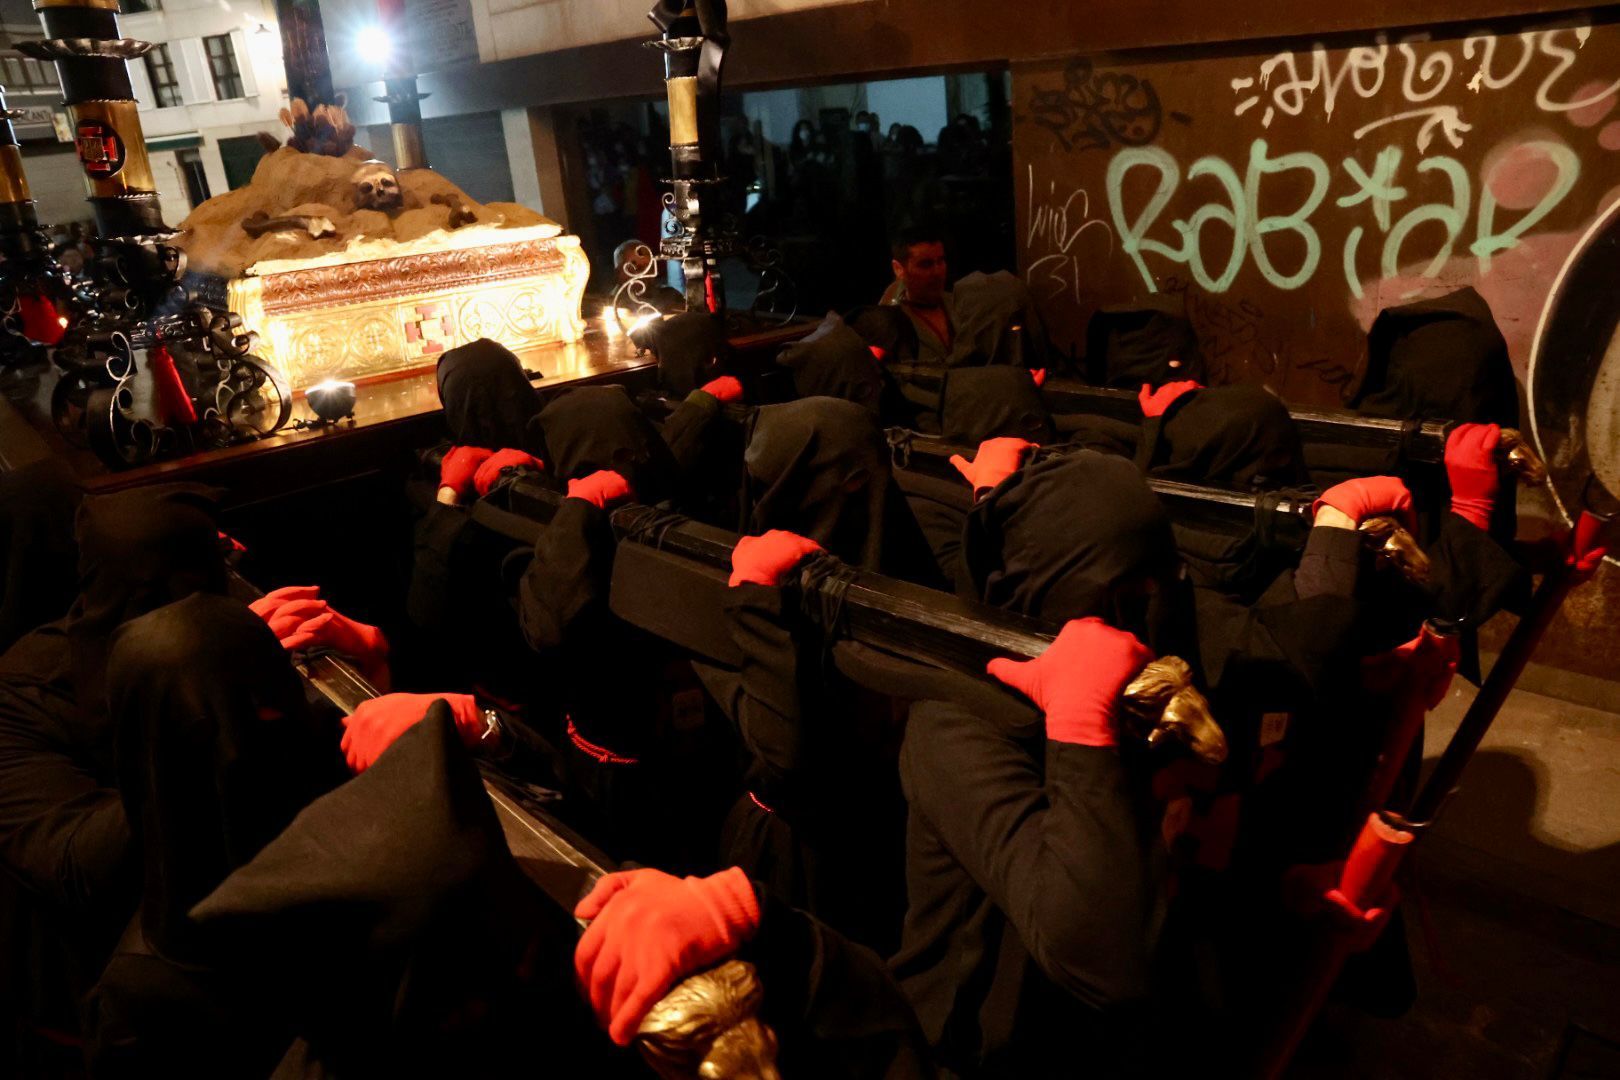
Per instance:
(670,572)
(1415,440)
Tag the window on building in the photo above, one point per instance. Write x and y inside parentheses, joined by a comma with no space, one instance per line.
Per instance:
(191,172)
(222,65)
(160,73)
(135,7)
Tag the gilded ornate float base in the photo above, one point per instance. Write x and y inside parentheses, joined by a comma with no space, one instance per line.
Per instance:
(359,319)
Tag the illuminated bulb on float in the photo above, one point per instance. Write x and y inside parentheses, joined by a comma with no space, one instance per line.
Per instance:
(610,321)
(643,321)
(331,400)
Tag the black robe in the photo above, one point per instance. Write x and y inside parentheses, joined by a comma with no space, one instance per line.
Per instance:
(217,752)
(37,504)
(1152,342)
(1033,874)
(71,875)
(488,400)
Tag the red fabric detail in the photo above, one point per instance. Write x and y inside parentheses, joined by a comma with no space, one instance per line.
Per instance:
(600,753)
(173,402)
(41,321)
(601,489)
(756,801)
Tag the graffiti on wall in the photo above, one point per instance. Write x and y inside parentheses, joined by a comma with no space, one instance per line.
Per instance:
(1336,182)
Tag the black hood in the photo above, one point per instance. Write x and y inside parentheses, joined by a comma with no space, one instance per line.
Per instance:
(1239,437)
(819,467)
(690,347)
(834,361)
(487,399)
(1073,536)
(1151,341)
(599,427)
(978,403)
(1439,359)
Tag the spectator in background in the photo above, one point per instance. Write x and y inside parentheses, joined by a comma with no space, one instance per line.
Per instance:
(920,274)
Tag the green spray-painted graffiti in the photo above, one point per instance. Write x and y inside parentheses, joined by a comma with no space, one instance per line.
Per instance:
(1236,206)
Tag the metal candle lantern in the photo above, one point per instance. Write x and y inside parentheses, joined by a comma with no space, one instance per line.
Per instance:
(33,287)
(694,45)
(134,305)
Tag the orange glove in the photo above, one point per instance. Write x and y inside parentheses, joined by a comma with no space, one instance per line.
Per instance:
(1078,679)
(1038,377)
(457,470)
(1158,402)
(601,489)
(996,460)
(649,930)
(767,559)
(489,473)
(1471,468)
(1370,496)
(377,722)
(725,388)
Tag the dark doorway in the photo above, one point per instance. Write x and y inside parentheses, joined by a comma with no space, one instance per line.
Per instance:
(191,173)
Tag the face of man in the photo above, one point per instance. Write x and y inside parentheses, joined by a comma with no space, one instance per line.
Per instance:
(923,274)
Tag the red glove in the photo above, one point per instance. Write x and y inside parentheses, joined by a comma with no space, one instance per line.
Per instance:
(767,559)
(489,473)
(649,930)
(1158,402)
(601,489)
(879,353)
(1038,376)
(1471,468)
(996,460)
(1370,496)
(1078,679)
(322,627)
(271,603)
(457,470)
(373,727)
(725,388)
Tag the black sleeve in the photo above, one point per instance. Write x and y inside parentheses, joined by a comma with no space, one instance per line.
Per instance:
(687,428)
(1294,637)
(1056,846)
(62,831)
(833,1005)
(567,582)
(1471,576)
(1329,564)
(767,695)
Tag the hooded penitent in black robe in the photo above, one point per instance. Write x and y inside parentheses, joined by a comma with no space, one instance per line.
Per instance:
(488,400)
(1034,897)
(389,931)
(690,347)
(217,752)
(1438,359)
(1151,341)
(835,361)
(996,321)
(460,615)
(820,822)
(1240,438)
(608,726)
(974,404)
(70,876)
(37,504)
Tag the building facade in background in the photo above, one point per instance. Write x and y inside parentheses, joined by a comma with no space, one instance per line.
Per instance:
(212,81)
